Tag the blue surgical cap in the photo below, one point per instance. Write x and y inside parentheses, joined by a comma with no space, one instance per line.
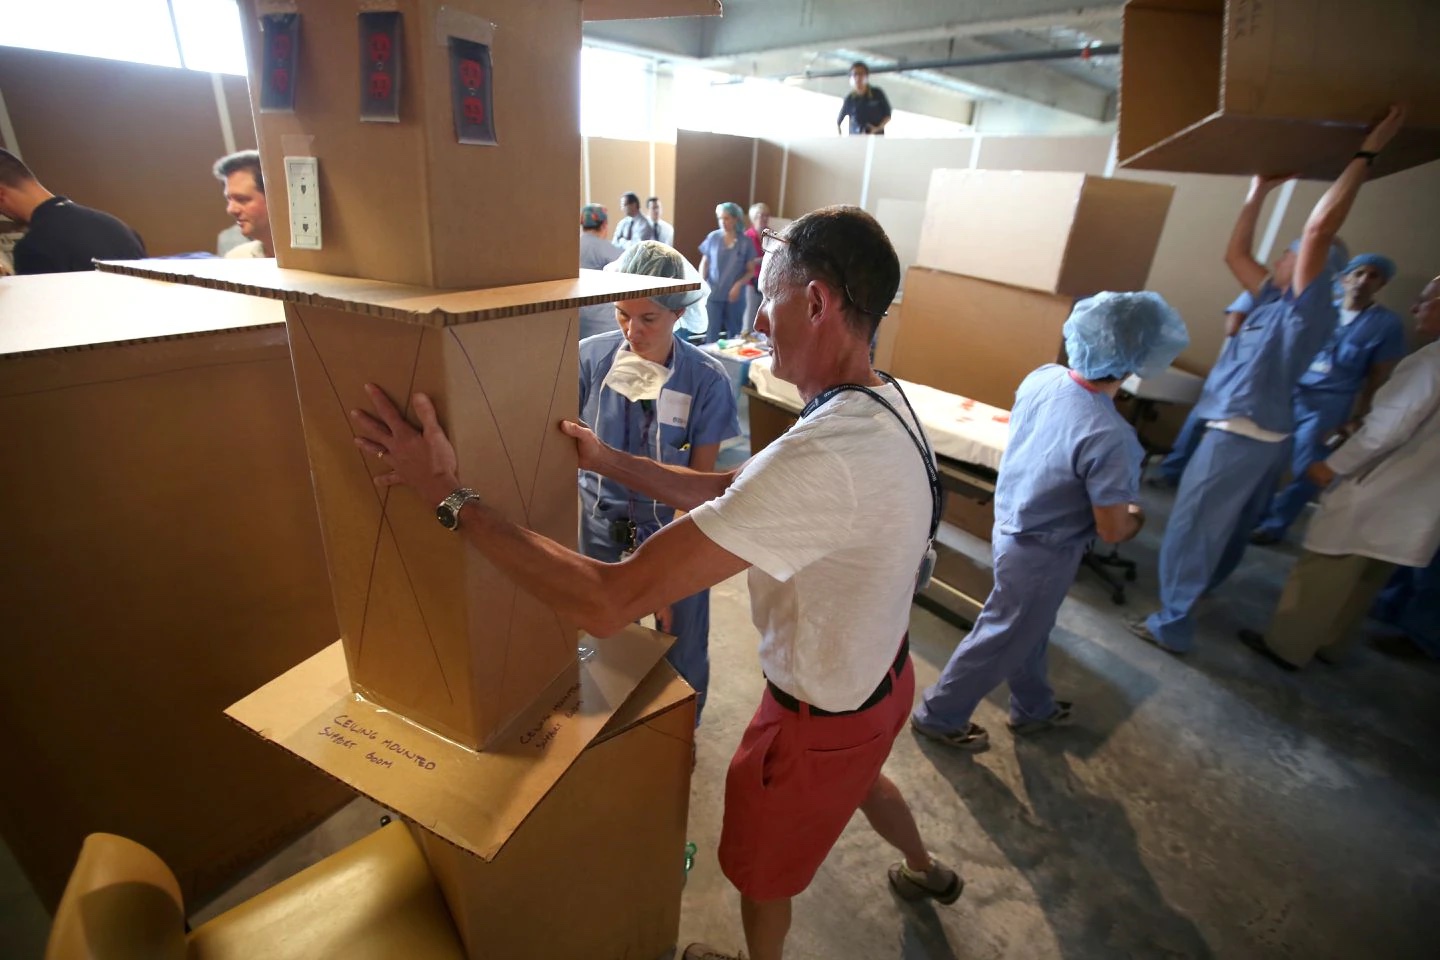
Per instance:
(1112,334)
(651,258)
(593,216)
(1377,260)
(1339,255)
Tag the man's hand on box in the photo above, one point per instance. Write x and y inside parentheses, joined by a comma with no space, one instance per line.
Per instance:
(423,459)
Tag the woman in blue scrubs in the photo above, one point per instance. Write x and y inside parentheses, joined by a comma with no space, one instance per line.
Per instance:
(1071,471)
(646,391)
(727,262)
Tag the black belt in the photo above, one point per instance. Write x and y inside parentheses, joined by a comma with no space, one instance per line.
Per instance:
(881,692)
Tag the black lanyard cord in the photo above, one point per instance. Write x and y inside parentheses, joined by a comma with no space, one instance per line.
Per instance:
(922,443)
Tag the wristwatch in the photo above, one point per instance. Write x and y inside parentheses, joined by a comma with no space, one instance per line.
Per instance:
(448,513)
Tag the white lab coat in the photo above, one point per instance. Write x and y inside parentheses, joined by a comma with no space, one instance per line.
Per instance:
(1387,504)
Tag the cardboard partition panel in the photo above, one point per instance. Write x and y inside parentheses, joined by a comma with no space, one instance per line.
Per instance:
(1064,233)
(976,517)
(155,499)
(1240,87)
(975,338)
(710,169)
(407,201)
(613,827)
(430,628)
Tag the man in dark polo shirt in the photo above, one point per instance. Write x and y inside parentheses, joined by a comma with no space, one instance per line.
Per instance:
(61,235)
(865,105)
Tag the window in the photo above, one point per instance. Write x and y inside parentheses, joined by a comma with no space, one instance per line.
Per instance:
(140,31)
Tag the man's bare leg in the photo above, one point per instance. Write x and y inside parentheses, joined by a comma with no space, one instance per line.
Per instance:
(890,816)
(766,924)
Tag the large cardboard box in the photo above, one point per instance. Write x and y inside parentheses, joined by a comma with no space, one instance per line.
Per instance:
(597,868)
(430,628)
(164,560)
(976,338)
(406,201)
(1066,233)
(1279,86)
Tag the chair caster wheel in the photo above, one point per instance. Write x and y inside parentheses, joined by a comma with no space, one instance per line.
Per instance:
(1118,597)
(1131,576)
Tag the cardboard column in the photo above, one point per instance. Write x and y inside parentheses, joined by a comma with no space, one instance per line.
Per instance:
(430,629)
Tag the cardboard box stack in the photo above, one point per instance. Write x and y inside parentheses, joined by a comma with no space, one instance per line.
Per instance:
(452,697)
(1003,257)
(1275,86)
(164,560)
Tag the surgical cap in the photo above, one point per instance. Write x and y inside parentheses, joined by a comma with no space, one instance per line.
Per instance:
(1339,255)
(651,258)
(1377,260)
(734,210)
(1112,334)
(592,216)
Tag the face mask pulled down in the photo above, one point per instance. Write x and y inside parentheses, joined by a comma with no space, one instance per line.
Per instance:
(635,378)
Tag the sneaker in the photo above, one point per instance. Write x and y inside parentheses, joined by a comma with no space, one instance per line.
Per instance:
(973,738)
(939,883)
(1060,718)
(1136,625)
(703,951)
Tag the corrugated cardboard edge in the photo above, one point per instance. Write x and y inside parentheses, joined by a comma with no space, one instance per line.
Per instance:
(375,298)
(136,341)
(305,698)
(592,10)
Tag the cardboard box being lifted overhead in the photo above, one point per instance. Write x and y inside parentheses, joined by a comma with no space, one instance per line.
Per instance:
(1275,86)
(976,338)
(1064,233)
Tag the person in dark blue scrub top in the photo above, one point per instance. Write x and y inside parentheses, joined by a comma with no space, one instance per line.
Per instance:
(1247,402)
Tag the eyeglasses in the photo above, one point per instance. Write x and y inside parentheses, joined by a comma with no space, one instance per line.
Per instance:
(771,242)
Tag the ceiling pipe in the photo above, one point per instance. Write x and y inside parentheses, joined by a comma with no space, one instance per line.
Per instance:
(984,60)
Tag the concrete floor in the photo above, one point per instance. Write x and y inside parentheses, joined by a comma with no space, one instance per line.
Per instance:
(1206,807)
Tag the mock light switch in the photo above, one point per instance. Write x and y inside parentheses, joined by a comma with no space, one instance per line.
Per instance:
(302,177)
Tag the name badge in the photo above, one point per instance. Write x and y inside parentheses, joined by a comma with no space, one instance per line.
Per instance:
(674,409)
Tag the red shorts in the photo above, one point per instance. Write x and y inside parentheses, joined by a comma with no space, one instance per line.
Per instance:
(794,783)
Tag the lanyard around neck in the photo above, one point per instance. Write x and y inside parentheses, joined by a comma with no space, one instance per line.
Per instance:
(922,444)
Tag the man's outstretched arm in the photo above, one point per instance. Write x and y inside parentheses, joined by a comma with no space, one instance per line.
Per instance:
(601,598)
(678,487)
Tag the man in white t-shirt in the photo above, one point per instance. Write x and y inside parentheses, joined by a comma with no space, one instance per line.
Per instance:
(832,521)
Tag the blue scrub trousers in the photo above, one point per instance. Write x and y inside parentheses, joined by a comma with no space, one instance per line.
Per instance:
(727,318)
(690,654)
(1010,639)
(1173,466)
(1410,603)
(1222,496)
(1318,414)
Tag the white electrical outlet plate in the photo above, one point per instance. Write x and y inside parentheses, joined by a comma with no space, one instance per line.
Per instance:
(302,176)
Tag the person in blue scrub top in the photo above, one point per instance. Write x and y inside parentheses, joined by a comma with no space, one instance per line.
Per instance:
(1246,404)
(1071,471)
(645,391)
(1356,362)
(727,262)
(1172,466)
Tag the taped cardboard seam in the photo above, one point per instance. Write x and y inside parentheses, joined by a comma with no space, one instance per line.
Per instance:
(450,22)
